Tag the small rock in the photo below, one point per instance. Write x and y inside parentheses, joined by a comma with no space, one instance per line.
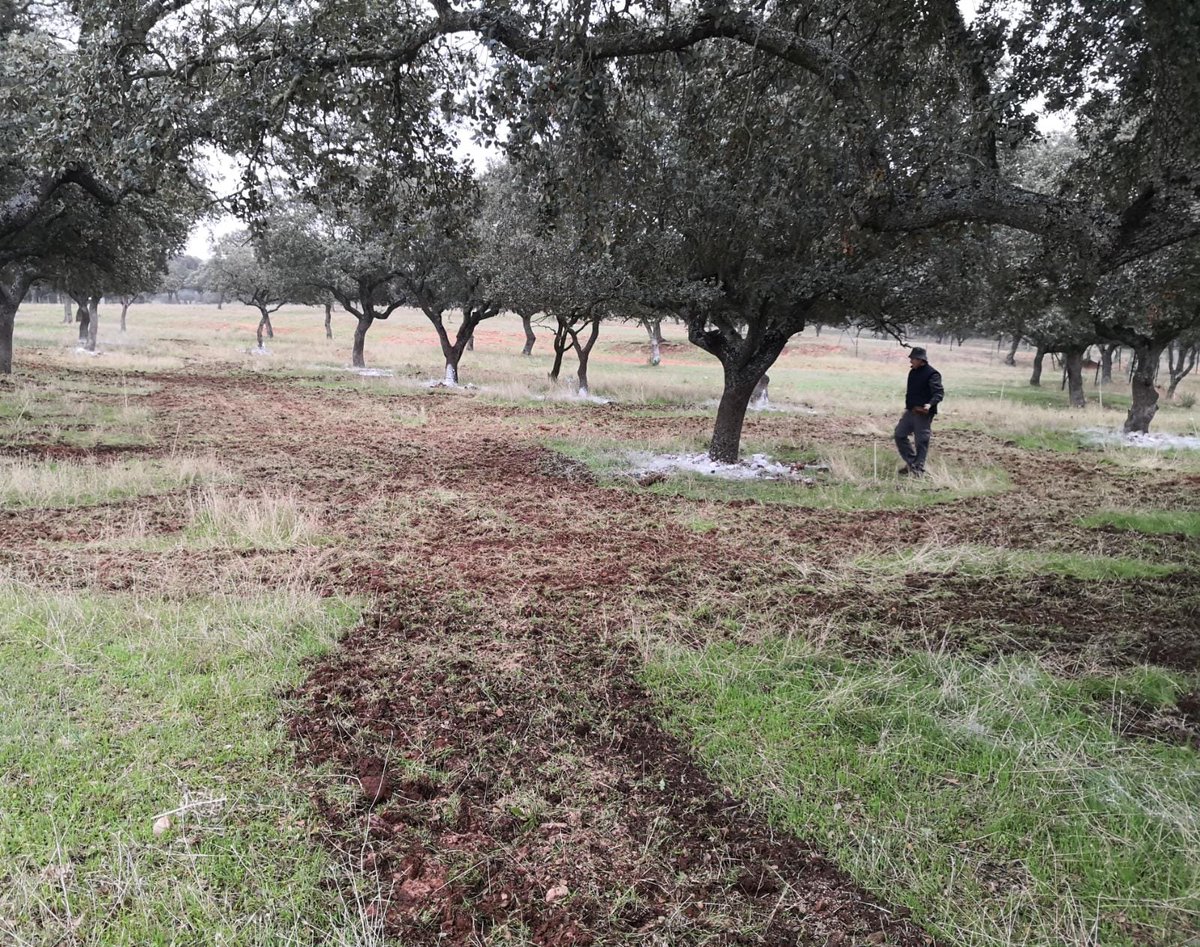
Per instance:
(557,893)
(162,824)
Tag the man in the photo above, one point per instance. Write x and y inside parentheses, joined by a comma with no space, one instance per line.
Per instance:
(920,408)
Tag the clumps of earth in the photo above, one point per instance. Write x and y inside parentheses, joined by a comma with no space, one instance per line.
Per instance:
(654,468)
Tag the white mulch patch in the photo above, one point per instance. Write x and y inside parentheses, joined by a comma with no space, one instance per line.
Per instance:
(373,372)
(257,351)
(82,351)
(755,467)
(774,407)
(1152,441)
(442,383)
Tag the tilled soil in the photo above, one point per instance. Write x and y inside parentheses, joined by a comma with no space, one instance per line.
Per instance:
(513,780)
(488,754)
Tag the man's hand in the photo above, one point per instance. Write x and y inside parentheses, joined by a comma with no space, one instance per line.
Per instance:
(921,409)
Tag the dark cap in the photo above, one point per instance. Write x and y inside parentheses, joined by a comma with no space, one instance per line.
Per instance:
(917,352)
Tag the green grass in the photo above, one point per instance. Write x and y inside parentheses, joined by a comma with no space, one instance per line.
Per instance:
(989,798)
(75,413)
(1155,523)
(1020,392)
(856,480)
(50,484)
(116,709)
(939,559)
(1052,440)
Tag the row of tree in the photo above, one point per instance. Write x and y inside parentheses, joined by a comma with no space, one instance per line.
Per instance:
(747,169)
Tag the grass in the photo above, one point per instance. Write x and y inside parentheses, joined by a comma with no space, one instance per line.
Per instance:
(988,798)
(1154,523)
(52,484)
(75,413)
(937,558)
(268,521)
(117,709)
(1049,439)
(855,479)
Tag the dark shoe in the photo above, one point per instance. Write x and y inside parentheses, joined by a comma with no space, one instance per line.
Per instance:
(904,471)
(918,471)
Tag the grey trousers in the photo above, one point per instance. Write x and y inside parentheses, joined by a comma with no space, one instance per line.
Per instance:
(920,428)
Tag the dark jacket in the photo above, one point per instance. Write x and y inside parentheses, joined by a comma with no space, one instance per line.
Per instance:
(924,387)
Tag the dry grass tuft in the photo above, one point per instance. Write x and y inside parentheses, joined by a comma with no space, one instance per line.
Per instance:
(267,521)
(55,483)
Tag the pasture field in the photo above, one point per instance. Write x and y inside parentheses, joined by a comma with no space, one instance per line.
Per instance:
(294,655)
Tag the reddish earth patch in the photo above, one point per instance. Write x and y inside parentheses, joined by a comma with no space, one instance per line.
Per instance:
(510,776)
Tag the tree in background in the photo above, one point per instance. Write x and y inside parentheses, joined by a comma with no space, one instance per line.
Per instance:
(256,268)
(349,257)
(119,251)
(540,263)
(1146,306)
(184,274)
(83,136)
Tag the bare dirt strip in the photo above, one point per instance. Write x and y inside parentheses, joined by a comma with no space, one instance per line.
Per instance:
(480,743)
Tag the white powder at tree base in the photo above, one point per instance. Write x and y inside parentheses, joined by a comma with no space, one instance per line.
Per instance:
(755,467)
(1152,441)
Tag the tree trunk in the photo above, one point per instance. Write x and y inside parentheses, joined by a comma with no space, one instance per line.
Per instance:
(731,415)
(93,322)
(1073,367)
(581,374)
(1181,359)
(1011,357)
(82,317)
(67,316)
(654,330)
(584,353)
(329,320)
(1039,359)
(562,340)
(360,337)
(530,338)
(471,342)
(124,311)
(8,320)
(453,352)
(264,323)
(557,366)
(1145,395)
(1106,363)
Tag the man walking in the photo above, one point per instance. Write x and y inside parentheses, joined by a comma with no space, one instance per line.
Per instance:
(920,408)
